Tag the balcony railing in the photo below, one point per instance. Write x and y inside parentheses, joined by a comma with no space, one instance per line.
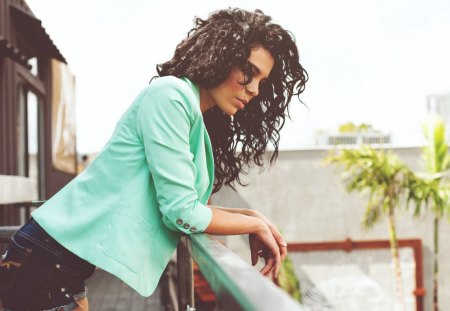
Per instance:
(6,232)
(236,284)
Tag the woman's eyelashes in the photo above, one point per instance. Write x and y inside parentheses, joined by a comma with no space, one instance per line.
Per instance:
(261,84)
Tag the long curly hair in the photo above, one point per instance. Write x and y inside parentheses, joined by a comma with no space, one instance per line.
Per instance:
(207,55)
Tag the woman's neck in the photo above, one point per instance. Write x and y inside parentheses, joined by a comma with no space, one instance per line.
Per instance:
(206,101)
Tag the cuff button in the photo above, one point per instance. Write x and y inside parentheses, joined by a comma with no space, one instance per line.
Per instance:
(186,226)
(193,229)
(179,222)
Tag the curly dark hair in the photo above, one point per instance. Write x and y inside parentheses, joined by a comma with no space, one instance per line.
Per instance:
(207,55)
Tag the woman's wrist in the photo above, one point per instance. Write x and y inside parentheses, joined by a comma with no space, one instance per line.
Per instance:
(262,226)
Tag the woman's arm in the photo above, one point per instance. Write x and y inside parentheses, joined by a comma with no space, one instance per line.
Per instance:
(254,213)
(224,222)
(261,239)
(227,221)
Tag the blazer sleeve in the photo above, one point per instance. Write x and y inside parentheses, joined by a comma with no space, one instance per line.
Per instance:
(164,122)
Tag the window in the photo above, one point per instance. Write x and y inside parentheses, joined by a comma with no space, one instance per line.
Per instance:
(34,66)
(30,152)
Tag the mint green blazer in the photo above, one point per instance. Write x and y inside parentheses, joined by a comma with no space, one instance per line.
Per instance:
(126,212)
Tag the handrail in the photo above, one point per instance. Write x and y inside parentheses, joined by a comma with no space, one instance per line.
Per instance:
(236,284)
(6,232)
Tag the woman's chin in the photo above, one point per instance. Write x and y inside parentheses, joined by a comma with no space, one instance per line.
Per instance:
(230,111)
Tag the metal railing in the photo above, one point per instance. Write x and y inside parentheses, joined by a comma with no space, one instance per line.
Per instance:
(6,232)
(236,284)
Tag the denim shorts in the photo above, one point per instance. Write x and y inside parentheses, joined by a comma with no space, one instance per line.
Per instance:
(38,273)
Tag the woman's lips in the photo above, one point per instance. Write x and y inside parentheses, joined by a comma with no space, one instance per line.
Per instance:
(242,102)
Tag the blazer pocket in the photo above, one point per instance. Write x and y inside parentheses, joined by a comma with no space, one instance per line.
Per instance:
(129,240)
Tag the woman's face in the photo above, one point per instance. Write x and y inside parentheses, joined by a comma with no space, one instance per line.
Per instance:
(230,96)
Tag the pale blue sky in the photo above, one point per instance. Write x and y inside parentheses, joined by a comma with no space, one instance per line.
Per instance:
(368,61)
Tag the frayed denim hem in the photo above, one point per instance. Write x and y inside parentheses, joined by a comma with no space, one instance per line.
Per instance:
(73,305)
(69,307)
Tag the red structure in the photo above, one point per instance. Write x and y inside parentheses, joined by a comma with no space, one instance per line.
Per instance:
(348,245)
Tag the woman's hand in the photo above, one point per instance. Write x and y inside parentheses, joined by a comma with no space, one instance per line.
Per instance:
(282,245)
(263,234)
(263,244)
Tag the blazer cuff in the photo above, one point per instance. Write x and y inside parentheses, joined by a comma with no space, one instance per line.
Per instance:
(197,221)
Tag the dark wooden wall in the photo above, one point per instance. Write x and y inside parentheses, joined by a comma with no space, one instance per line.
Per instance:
(54,180)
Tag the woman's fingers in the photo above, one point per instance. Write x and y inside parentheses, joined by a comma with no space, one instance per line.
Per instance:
(268,267)
(265,245)
(254,257)
(273,264)
(281,243)
(283,252)
(277,235)
(253,250)
(275,256)
(276,270)
(279,239)
(278,262)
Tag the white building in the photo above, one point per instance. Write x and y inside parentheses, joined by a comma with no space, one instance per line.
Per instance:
(356,138)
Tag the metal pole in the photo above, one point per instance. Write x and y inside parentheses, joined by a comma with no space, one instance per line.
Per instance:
(185,276)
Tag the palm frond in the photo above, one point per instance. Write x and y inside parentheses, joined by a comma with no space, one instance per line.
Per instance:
(432,189)
(373,211)
(435,153)
(377,172)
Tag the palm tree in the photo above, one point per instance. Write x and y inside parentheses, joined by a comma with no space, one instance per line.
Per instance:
(384,178)
(430,188)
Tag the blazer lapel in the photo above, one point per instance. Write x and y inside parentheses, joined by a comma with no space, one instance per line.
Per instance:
(209,162)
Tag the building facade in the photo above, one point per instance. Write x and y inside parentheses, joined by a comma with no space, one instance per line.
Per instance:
(29,80)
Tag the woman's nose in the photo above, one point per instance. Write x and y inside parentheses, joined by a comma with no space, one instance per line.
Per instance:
(252,88)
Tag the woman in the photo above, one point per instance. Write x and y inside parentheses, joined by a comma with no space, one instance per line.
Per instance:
(228,84)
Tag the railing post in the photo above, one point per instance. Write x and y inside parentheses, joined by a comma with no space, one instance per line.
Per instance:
(185,277)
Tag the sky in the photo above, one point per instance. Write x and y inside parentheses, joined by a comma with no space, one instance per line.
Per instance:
(368,61)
